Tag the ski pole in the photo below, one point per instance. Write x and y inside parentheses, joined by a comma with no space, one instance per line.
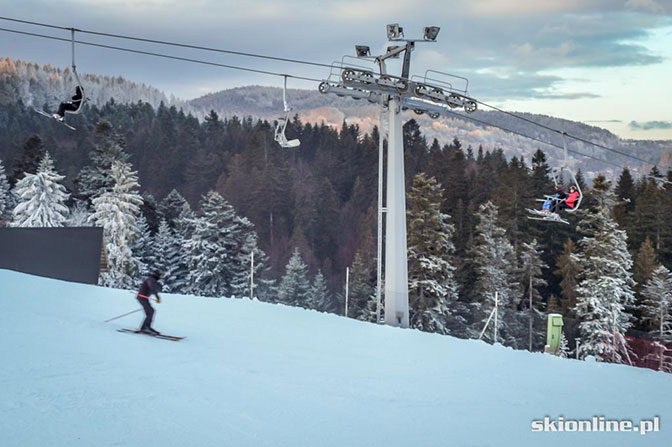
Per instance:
(123,315)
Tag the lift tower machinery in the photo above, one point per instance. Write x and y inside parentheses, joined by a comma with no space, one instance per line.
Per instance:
(366,77)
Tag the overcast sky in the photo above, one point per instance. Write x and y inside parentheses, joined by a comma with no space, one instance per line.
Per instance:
(606,62)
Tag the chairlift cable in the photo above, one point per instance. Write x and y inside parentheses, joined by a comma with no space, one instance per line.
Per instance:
(583,140)
(166,56)
(175,44)
(557,146)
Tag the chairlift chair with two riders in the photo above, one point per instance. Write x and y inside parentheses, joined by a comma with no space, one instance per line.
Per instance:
(563,178)
(281,125)
(79,89)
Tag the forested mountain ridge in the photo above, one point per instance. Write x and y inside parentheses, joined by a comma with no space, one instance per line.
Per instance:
(39,85)
(45,85)
(314,107)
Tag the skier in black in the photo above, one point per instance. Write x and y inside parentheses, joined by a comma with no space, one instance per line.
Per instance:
(70,106)
(148,288)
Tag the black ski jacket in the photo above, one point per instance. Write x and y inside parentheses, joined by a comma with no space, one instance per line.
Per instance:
(77,99)
(149,287)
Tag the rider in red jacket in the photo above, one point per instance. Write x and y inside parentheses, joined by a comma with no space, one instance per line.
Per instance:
(569,202)
(572,197)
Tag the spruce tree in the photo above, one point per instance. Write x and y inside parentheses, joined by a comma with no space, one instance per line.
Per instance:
(605,290)
(432,286)
(294,289)
(651,220)
(117,211)
(5,201)
(361,288)
(625,192)
(79,215)
(531,266)
(496,269)
(246,244)
(568,270)
(41,198)
(657,305)
(33,152)
(564,347)
(171,207)
(320,298)
(160,255)
(142,250)
(177,274)
(95,179)
(645,263)
(212,248)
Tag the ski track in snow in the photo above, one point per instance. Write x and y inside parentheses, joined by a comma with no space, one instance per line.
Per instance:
(258,374)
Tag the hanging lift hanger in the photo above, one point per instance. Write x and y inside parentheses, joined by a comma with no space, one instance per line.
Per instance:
(281,125)
(79,83)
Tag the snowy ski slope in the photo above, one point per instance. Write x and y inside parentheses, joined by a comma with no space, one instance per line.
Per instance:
(257,374)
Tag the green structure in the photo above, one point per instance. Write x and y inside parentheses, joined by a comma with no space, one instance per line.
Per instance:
(554,333)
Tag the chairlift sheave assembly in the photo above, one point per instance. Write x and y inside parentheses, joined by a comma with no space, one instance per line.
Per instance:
(78,88)
(281,125)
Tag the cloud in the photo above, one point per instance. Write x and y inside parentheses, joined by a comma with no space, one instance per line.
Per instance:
(651,6)
(649,125)
(508,48)
(603,121)
(576,95)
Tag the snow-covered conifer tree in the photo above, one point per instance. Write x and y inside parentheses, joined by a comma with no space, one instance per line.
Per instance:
(605,290)
(361,289)
(568,271)
(657,304)
(161,251)
(213,247)
(496,268)
(432,286)
(564,347)
(320,298)
(117,211)
(177,274)
(531,268)
(142,250)
(245,239)
(95,179)
(79,215)
(171,207)
(4,196)
(294,288)
(41,198)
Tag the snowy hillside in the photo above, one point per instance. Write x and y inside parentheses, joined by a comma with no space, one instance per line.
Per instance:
(257,374)
(37,85)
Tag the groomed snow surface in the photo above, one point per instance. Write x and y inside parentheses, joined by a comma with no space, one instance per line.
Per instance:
(258,374)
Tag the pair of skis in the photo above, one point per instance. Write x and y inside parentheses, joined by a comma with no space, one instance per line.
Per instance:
(548,217)
(49,115)
(161,336)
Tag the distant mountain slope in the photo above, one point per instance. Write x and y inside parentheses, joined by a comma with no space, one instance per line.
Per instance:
(38,85)
(311,106)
